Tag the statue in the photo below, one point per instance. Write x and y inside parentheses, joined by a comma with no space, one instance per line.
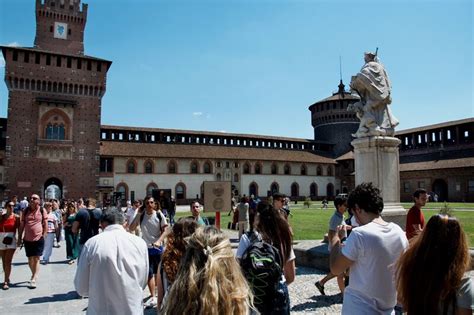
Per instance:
(373,110)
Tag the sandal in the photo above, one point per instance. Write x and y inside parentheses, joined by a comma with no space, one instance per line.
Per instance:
(32,284)
(5,286)
(71,261)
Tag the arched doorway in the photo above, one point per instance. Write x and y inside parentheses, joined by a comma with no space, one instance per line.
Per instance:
(330,190)
(53,189)
(440,187)
(295,190)
(253,189)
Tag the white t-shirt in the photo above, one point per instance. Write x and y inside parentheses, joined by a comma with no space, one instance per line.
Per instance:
(374,248)
(151,227)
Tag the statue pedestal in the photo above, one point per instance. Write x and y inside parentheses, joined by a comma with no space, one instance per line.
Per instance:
(376,160)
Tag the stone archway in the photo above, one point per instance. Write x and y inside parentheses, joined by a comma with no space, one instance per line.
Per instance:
(53,189)
(440,187)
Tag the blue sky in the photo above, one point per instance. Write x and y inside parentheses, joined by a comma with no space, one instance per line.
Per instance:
(254,66)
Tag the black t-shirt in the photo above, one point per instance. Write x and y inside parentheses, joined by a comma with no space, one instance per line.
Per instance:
(89,227)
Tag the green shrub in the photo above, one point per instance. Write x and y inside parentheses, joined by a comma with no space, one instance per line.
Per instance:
(446,209)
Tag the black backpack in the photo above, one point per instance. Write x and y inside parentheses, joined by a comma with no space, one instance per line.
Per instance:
(261,264)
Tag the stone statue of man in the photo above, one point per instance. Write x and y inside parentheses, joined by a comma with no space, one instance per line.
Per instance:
(373,86)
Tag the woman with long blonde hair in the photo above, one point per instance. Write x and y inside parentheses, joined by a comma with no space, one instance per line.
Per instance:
(209,280)
(431,272)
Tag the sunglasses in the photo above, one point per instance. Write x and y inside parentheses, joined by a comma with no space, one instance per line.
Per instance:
(195,207)
(150,202)
(10,205)
(34,198)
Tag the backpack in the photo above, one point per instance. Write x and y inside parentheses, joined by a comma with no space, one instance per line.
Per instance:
(261,264)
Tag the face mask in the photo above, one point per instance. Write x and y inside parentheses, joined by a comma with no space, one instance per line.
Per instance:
(354,221)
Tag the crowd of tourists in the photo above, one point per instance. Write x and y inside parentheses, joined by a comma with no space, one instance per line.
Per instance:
(189,266)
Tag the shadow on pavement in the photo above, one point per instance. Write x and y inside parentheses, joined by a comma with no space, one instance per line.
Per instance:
(71,295)
(318,301)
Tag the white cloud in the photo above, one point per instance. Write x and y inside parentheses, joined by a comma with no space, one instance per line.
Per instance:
(197,114)
(224,131)
(13,44)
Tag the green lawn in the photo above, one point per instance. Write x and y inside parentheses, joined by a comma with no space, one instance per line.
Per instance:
(312,223)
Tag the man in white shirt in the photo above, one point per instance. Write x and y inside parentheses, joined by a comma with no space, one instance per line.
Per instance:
(370,252)
(113,269)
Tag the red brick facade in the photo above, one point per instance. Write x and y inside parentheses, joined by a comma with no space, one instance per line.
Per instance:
(54,108)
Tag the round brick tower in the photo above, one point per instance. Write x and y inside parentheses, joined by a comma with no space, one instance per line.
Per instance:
(332,122)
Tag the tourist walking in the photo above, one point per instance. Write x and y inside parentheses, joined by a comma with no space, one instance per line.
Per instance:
(337,219)
(174,251)
(152,223)
(59,216)
(51,234)
(87,221)
(209,280)
(113,268)
(72,240)
(370,252)
(243,208)
(415,218)
(9,225)
(271,226)
(34,225)
(431,272)
(196,213)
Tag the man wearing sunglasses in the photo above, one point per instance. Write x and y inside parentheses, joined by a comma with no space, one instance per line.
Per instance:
(34,224)
(153,224)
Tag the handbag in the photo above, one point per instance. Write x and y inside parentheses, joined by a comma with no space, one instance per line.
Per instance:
(7,240)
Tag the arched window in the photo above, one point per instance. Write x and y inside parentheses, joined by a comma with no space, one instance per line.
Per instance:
(258,168)
(319,171)
(287,169)
(180,191)
(149,189)
(274,188)
(131,166)
(218,177)
(274,169)
(207,168)
(330,190)
(55,131)
(194,167)
(172,168)
(236,178)
(303,170)
(313,190)
(295,190)
(122,189)
(329,173)
(246,168)
(148,167)
(55,124)
(253,189)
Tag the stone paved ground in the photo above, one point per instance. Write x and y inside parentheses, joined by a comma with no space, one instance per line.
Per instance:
(55,293)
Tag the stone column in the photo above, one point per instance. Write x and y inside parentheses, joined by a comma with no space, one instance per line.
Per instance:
(377,161)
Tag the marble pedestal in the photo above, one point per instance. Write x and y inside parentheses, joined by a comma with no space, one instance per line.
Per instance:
(376,160)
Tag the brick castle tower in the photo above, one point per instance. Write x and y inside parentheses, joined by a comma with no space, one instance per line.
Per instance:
(54,106)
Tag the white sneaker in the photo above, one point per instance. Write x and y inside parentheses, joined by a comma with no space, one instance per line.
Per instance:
(151,303)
